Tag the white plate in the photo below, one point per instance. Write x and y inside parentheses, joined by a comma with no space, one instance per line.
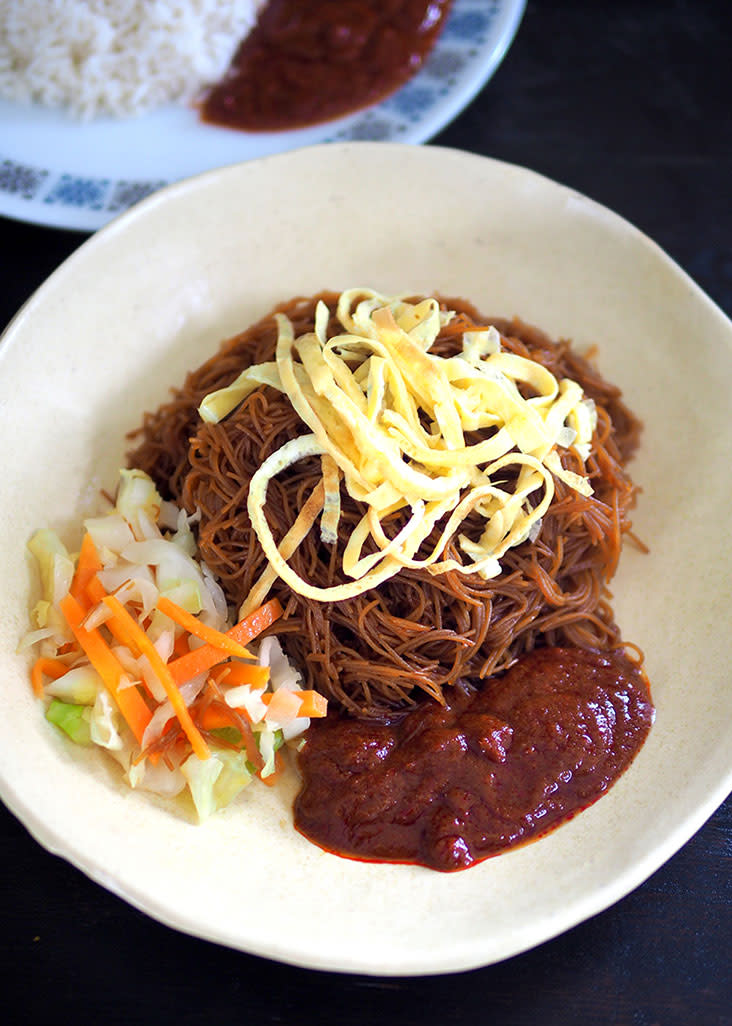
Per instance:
(151,296)
(59,172)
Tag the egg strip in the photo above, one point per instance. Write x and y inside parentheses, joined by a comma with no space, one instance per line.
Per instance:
(389,421)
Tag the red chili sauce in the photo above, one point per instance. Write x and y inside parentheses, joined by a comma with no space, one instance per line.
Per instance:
(448,787)
(304,63)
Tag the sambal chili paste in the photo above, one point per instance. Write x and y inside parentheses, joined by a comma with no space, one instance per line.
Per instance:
(446,787)
(304,63)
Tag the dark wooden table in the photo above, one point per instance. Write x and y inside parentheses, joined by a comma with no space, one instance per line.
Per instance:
(628,102)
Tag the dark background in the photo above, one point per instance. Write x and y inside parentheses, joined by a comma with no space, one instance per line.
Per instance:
(629,103)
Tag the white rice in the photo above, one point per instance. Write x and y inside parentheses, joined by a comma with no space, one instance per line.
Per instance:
(117,57)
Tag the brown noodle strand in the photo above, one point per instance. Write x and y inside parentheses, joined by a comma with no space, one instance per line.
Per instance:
(374,654)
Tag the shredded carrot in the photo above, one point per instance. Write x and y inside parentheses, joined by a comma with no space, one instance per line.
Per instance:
(312,703)
(42,667)
(87,568)
(181,646)
(200,630)
(241,673)
(215,716)
(95,590)
(144,646)
(256,622)
(130,702)
(207,656)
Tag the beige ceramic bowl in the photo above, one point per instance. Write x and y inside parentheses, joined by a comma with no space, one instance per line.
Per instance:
(149,297)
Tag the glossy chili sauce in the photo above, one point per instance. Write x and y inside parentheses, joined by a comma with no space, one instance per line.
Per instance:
(447,787)
(307,62)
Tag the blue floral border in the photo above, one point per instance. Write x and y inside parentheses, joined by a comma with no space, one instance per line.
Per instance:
(32,183)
